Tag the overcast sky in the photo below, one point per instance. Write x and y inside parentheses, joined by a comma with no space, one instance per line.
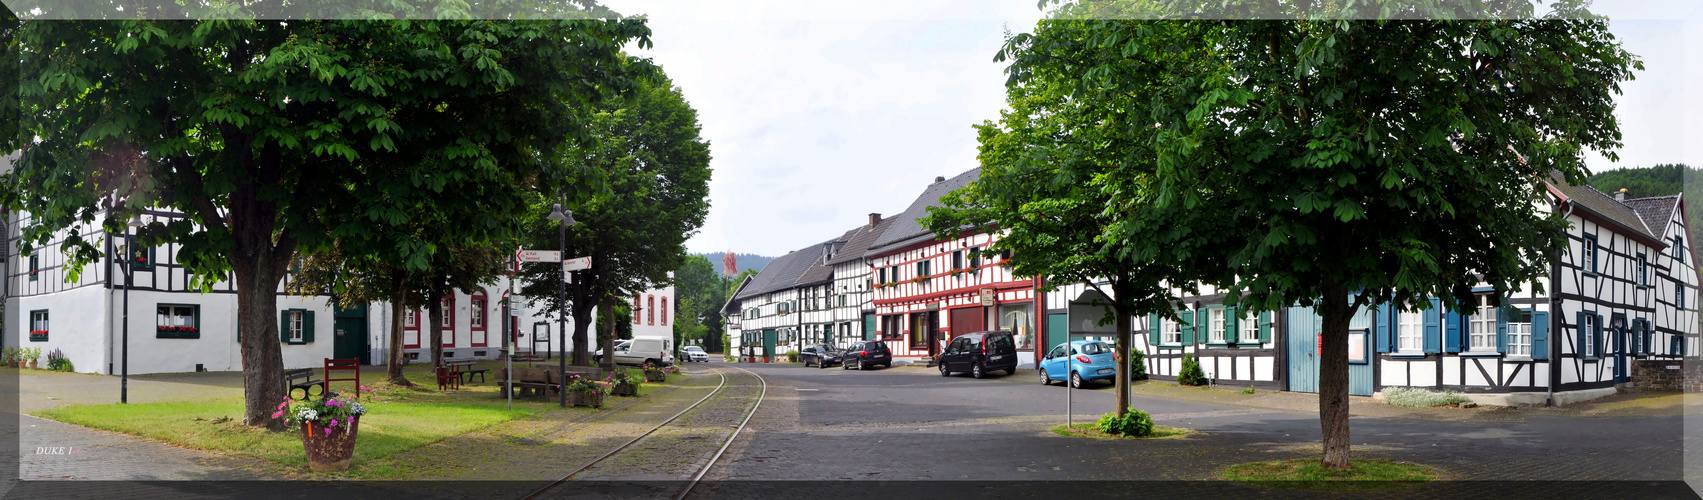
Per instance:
(818,115)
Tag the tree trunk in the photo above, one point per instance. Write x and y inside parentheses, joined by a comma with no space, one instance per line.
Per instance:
(435,311)
(262,357)
(1335,311)
(609,339)
(393,370)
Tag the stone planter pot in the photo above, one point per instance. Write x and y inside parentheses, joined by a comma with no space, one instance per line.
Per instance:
(656,376)
(330,452)
(593,399)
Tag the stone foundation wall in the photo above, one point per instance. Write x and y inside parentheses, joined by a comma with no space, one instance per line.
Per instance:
(1667,375)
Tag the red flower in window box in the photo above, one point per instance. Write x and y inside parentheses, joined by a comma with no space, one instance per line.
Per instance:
(38,332)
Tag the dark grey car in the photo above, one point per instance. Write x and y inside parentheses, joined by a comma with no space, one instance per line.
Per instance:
(979,353)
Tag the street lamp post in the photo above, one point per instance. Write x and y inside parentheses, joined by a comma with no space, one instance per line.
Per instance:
(563,218)
(129,273)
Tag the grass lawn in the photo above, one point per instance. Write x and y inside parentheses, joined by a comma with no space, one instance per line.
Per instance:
(398,419)
(1308,474)
(1093,431)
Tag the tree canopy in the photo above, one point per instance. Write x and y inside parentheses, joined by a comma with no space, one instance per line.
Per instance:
(273,137)
(1348,163)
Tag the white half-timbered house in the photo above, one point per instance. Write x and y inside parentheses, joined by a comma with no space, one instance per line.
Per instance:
(854,285)
(1233,347)
(927,290)
(768,305)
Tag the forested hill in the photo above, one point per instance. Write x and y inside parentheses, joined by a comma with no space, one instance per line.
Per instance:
(1660,180)
(746,261)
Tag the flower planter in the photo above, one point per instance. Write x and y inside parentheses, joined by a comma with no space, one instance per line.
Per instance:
(330,451)
(656,376)
(592,399)
(33,363)
(624,390)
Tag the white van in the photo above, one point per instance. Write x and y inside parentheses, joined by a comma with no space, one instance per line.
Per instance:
(643,351)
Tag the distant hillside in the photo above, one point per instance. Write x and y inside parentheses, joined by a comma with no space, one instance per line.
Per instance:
(745,260)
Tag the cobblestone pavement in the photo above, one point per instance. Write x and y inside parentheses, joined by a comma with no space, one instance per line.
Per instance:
(58,451)
(912,428)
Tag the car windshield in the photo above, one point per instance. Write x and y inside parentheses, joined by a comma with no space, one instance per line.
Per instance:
(1095,348)
(872,346)
(694,348)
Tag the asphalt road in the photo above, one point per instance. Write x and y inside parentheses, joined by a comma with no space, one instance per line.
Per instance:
(913,428)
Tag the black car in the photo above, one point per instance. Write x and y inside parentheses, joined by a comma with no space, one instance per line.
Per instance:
(979,353)
(822,355)
(867,354)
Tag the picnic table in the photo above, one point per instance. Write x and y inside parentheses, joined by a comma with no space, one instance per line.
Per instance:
(530,382)
(465,371)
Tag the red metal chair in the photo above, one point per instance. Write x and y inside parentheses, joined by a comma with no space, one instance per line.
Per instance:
(344,367)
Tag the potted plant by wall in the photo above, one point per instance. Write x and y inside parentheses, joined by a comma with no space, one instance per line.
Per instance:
(656,374)
(34,356)
(328,428)
(9,357)
(585,392)
(622,383)
(56,361)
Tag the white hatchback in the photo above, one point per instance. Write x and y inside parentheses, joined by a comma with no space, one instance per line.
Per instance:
(695,353)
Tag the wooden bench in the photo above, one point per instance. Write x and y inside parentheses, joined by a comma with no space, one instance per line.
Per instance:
(302,378)
(529,382)
(466,371)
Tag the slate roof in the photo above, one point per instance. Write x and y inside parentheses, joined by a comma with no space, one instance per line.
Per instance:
(784,271)
(1602,204)
(1657,211)
(905,230)
(820,272)
(859,242)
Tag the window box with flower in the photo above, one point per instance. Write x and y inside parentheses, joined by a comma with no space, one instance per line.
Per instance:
(586,392)
(622,383)
(655,374)
(328,427)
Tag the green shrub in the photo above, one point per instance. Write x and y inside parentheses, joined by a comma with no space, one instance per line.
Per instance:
(1134,423)
(1191,374)
(1137,365)
(792,356)
(1421,398)
(1249,390)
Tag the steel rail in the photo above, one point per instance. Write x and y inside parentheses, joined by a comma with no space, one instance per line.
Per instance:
(718,453)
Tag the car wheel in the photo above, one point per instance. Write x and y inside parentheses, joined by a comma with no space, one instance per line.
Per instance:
(1011,371)
(976,371)
(822,365)
(845,366)
(1044,379)
(1075,380)
(943,371)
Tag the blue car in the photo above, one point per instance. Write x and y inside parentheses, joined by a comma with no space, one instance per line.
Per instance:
(1087,360)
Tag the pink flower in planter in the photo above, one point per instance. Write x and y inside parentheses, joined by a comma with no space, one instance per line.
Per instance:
(278,414)
(334,422)
(328,431)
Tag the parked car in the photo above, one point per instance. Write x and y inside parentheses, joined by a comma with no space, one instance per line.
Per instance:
(867,354)
(598,356)
(979,353)
(656,352)
(695,353)
(822,355)
(1083,360)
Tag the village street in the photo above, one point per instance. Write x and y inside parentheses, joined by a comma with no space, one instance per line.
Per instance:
(907,428)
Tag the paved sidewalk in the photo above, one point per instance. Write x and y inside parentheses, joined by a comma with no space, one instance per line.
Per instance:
(58,451)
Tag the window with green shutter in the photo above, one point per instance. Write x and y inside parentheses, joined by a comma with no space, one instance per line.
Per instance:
(1187,325)
(295,326)
(1232,325)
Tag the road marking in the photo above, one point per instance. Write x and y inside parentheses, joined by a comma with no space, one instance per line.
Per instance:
(808,389)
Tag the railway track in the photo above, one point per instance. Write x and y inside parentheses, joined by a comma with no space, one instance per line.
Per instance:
(730,406)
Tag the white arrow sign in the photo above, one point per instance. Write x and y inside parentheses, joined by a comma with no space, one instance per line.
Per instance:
(576,264)
(537,255)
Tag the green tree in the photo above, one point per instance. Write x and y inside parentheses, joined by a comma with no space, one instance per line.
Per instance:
(1063,183)
(699,292)
(656,172)
(1359,162)
(274,137)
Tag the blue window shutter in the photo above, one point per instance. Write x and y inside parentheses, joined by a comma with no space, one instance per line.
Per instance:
(307,327)
(1502,315)
(1433,330)
(1649,338)
(1636,336)
(1452,331)
(1381,316)
(1579,335)
(1232,325)
(1540,335)
(1188,327)
(1152,329)
(1265,326)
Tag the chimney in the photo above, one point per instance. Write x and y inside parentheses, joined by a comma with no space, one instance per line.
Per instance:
(874,219)
(1620,195)
(939,179)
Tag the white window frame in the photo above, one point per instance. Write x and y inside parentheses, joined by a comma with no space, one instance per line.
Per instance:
(1170,333)
(173,318)
(296,326)
(1643,270)
(476,316)
(1410,332)
(1216,325)
(1590,250)
(412,320)
(1520,334)
(1587,333)
(1481,325)
(1250,329)
(39,321)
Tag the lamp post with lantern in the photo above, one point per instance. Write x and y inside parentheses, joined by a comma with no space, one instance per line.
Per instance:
(563,218)
(129,267)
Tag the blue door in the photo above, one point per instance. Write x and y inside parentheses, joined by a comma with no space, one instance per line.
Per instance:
(1056,367)
(1619,333)
(1302,339)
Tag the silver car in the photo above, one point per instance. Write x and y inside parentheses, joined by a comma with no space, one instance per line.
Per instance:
(695,353)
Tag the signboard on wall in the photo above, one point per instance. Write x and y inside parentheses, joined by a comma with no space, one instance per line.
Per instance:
(987,297)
